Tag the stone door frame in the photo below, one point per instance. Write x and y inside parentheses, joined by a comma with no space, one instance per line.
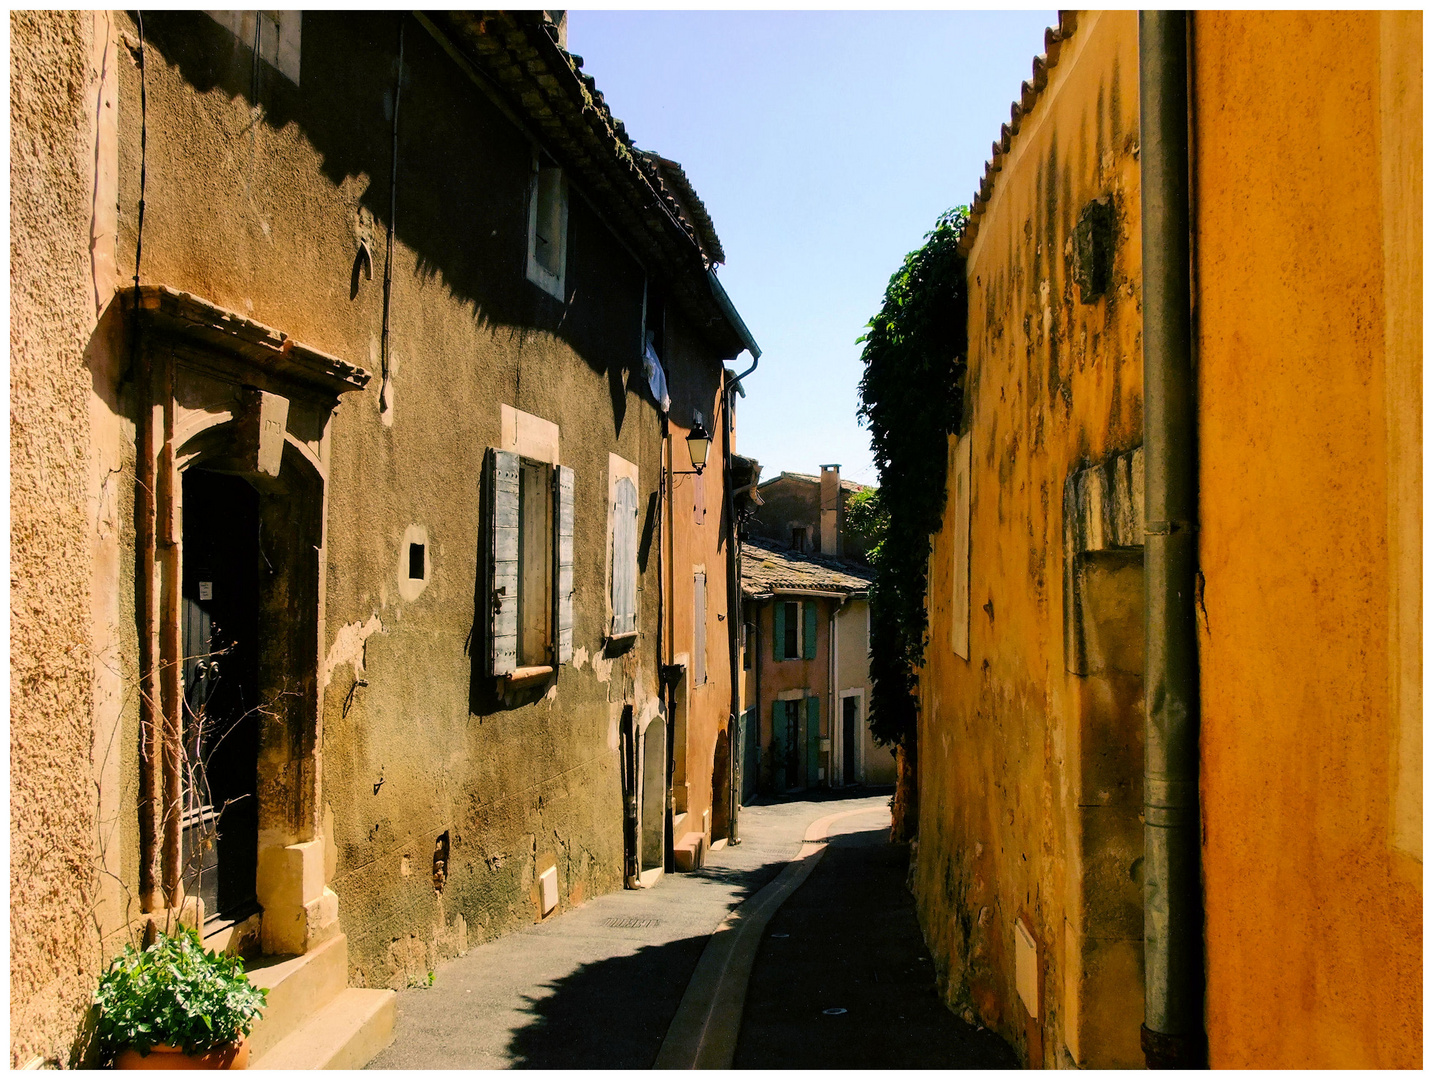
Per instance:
(222,392)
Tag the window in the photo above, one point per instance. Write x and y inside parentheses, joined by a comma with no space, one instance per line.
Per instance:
(547,229)
(415,562)
(794,631)
(699,629)
(748,645)
(530,529)
(800,539)
(622,530)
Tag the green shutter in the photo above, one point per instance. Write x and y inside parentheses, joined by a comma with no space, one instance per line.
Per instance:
(778,630)
(813,740)
(809,610)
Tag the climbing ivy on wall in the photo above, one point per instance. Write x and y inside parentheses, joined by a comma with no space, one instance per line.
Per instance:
(914,354)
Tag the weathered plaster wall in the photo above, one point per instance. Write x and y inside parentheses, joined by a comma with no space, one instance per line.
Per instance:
(1054,384)
(53,946)
(72,728)
(258,195)
(1308,151)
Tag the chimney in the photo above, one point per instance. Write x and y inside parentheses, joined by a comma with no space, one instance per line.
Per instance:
(558,21)
(830,509)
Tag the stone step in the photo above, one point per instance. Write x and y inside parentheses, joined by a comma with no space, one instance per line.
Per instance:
(690,852)
(298,987)
(347,1033)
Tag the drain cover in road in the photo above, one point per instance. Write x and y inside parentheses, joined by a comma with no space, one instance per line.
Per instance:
(632,922)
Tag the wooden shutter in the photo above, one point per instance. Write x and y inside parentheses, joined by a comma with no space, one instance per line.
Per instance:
(778,631)
(624,558)
(699,629)
(813,741)
(809,613)
(564,518)
(502,482)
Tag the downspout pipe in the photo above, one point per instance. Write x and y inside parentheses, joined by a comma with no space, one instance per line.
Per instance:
(1173,1032)
(733,617)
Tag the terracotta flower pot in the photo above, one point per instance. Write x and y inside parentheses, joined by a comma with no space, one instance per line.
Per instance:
(228,1056)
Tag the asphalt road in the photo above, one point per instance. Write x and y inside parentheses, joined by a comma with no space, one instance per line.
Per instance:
(597,987)
(843,979)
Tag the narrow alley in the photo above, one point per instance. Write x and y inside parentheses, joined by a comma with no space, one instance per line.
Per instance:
(718,539)
(841,977)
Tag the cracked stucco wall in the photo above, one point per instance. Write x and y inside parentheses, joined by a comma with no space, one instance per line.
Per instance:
(259,192)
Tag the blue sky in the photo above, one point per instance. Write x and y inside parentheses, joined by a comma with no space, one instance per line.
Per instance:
(824,145)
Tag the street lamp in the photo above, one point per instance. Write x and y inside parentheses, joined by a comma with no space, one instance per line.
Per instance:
(699,442)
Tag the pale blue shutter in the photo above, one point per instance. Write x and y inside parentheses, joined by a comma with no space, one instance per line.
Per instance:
(624,558)
(564,516)
(699,635)
(502,561)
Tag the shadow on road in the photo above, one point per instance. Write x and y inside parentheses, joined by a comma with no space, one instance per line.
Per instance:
(614,1014)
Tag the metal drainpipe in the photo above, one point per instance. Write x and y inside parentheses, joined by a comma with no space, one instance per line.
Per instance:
(831,678)
(1173,1032)
(733,616)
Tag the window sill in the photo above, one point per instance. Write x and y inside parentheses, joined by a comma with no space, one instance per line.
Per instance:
(622,637)
(528,674)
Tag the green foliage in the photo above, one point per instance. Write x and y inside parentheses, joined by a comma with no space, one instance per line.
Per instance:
(911,398)
(866,517)
(176,993)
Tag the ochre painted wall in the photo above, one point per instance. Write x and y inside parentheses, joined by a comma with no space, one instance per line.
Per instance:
(695,537)
(1308,152)
(1054,385)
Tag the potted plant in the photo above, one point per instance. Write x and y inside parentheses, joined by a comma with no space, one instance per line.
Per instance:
(176,1005)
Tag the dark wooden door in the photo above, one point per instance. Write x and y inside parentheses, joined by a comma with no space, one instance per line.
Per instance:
(221,718)
(848,740)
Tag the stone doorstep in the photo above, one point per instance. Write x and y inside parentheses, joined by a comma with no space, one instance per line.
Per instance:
(690,852)
(298,986)
(313,1019)
(347,1033)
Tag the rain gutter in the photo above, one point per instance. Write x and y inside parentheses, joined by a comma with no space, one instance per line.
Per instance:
(1173,1032)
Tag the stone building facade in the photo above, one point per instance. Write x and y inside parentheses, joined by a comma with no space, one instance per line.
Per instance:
(358,497)
(808,513)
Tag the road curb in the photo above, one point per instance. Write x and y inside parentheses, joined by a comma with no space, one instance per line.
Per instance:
(703,1033)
